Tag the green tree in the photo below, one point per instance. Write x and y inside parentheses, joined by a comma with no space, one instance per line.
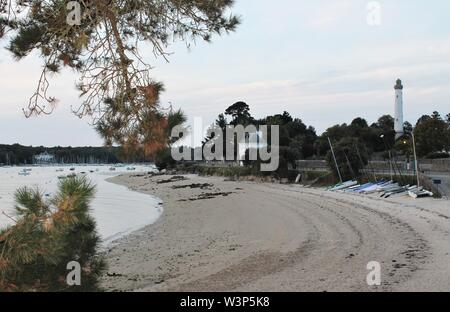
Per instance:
(163,158)
(359,123)
(46,236)
(335,133)
(386,126)
(115,84)
(432,135)
(296,140)
(408,127)
(217,135)
(368,136)
(351,157)
(240,114)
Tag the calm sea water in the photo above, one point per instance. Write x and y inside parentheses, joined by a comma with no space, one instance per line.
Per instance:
(117,210)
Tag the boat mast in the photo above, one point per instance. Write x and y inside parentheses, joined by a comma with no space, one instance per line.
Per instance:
(335,161)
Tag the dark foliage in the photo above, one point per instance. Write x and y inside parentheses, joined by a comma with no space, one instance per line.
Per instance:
(432,134)
(104,48)
(351,157)
(47,235)
(18,155)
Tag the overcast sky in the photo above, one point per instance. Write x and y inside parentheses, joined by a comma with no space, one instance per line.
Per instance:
(318,59)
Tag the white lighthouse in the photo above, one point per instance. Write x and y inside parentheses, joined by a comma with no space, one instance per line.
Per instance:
(398,123)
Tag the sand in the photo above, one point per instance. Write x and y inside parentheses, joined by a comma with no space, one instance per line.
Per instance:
(246,236)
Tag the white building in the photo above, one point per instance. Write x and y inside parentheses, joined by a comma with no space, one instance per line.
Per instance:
(253,141)
(44,158)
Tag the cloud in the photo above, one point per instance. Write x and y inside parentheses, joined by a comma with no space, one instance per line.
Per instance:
(316,59)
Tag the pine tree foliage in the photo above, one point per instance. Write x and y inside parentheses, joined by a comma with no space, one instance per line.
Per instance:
(163,157)
(117,90)
(47,235)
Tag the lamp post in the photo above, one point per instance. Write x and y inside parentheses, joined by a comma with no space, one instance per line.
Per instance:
(416,162)
(390,157)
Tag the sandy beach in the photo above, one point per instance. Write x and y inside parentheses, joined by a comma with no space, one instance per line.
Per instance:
(217,235)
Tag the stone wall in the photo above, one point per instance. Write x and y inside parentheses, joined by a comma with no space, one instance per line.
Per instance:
(427,165)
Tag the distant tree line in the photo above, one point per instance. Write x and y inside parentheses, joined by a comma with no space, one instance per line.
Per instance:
(358,141)
(19,155)
(355,143)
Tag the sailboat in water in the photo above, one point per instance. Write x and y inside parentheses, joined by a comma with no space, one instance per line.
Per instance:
(25,172)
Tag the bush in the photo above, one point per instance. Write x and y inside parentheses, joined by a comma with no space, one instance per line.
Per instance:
(47,236)
(164,160)
(230,171)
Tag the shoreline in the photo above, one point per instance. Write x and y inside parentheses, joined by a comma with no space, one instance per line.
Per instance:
(108,242)
(217,235)
(106,206)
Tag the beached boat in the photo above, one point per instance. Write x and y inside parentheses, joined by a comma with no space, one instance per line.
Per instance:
(352,188)
(420,194)
(344,186)
(391,189)
(376,187)
(401,190)
(361,188)
(413,188)
(370,186)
